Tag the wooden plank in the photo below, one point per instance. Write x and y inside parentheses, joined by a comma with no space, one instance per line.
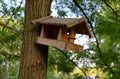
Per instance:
(71,36)
(69,22)
(51,42)
(63,34)
(88,30)
(40,19)
(82,28)
(60,44)
(51,24)
(59,34)
(75,22)
(74,47)
(42,31)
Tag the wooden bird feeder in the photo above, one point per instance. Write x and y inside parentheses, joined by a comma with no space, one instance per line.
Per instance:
(60,32)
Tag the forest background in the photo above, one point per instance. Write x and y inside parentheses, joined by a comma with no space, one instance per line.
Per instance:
(99,60)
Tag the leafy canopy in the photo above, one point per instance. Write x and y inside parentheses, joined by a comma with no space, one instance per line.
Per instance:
(103,14)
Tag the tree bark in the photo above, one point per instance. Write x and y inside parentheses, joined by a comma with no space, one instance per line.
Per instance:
(34,57)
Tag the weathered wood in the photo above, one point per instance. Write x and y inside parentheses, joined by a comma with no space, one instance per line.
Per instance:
(37,20)
(71,35)
(59,34)
(88,30)
(42,34)
(80,24)
(63,34)
(60,44)
(52,24)
(69,22)
(49,32)
(55,31)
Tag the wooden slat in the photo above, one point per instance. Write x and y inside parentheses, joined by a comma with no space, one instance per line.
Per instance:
(74,47)
(71,36)
(63,34)
(69,22)
(88,30)
(42,31)
(75,22)
(40,19)
(60,44)
(51,24)
(59,34)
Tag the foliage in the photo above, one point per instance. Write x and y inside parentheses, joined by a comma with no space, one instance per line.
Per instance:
(108,31)
(11,26)
(105,17)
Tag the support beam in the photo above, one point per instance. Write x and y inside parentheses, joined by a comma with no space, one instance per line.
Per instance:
(60,44)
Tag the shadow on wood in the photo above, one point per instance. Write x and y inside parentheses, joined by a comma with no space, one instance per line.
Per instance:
(60,32)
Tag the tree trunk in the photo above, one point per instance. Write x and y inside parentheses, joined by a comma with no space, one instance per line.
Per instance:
(34,57)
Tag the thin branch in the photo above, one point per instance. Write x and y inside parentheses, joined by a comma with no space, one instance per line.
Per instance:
(4,25)
(14,12)
(8,54)
(99,50)
(109,7)
(71,60)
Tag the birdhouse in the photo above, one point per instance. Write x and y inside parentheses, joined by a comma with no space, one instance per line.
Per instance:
(60,32)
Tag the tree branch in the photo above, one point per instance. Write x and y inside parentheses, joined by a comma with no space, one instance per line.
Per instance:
(99,50)
(109,7)
(4,25)
(14,12)
(71,61)
(8,54)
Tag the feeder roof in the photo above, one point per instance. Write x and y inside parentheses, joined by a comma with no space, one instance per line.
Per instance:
(80,24)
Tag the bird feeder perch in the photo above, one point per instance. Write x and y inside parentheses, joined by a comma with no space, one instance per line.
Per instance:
(60,32)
